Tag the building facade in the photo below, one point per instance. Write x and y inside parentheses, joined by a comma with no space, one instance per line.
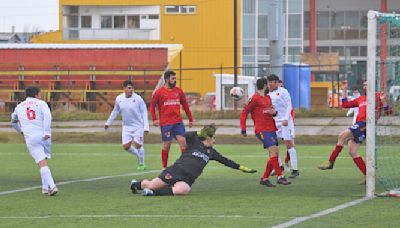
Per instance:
(204,28)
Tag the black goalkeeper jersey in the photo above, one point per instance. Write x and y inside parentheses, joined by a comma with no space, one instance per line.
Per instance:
(197,156)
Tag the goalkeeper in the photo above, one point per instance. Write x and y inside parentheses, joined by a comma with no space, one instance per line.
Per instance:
(178,178)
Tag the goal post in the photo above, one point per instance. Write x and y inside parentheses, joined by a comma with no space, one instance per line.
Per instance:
(383,76)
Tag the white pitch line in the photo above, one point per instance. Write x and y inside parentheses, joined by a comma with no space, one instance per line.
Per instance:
(142,216)
(77,181)
(156,155)
(298,220)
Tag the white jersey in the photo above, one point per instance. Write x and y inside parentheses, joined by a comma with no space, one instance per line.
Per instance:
(133,111)
(32,117)
(282,103)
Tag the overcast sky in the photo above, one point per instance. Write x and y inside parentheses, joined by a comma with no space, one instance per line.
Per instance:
(28,15)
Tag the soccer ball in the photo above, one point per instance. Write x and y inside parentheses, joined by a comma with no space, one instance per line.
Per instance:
(236,93)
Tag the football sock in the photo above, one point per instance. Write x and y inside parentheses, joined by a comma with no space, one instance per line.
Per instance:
(275,164)
(335,153)
(164,158)
(183,149)
(166,191)
(293,155)
(360,164)
(280,161)
(287,159)
(141,155)
(133,151)
(45,173)
(268,170)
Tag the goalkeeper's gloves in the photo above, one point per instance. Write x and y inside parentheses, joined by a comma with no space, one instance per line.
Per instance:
(246,169)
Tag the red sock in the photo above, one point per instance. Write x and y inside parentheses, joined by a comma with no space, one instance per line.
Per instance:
(287,157)
(268,170)
(164,158)
(335,153)
(360,164)
(275,164)
(183,150)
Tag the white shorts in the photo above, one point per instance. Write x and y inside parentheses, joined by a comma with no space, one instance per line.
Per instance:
(132,136)
(285,132)
(38,148)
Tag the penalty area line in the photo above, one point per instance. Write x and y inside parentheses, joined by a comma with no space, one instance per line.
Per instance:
(299,220)
(78,181)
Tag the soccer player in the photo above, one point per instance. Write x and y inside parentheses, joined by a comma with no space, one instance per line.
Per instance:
(32,118)
(178,178)
(260,107)
(354,110)
(282,103)
(356,134)
(169,99)
(134,121)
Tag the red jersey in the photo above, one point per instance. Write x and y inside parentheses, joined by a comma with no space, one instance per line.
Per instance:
(169,103)
(361,103)
(257,106)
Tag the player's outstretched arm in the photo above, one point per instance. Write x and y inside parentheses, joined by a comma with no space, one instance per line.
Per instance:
(226,161)
(246,169)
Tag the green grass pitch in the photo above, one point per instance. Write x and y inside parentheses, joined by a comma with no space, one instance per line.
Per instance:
(221,197)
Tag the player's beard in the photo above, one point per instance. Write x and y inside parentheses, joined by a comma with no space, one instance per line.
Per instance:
(171,85)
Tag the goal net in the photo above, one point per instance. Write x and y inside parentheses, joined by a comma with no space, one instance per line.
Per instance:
(383,76)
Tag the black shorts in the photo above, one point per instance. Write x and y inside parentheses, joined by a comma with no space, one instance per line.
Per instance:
(172,174)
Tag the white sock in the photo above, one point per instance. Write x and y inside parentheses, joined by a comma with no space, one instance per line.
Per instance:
(141,155)
(133,151)
(280,161)
(47,179)
(293,158)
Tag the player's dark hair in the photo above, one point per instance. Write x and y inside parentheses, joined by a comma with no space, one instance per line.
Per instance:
(280,81)
(261,82)
(32,91)
(168,74)
(272,77)
(127,82)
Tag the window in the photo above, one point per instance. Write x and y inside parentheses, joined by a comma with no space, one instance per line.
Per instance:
(263,26)
(323,49)
(340,50)
(153,17)
(337,19)
(180,9)
(106,21)
(306,19)
(188,9)
(86,21)
(248,27)
(119,21)
(72,22)
(294,26)
(322,19)
(133,21)
(363,20)
(352,19)
(73,9)
(248,50)
(171,9)
(249,6)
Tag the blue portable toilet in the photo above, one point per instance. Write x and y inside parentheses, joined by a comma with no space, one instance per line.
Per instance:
(296,79)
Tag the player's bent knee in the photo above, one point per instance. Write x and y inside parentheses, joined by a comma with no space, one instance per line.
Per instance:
(42,163)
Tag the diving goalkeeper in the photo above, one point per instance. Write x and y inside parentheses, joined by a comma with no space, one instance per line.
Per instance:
(178,178)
